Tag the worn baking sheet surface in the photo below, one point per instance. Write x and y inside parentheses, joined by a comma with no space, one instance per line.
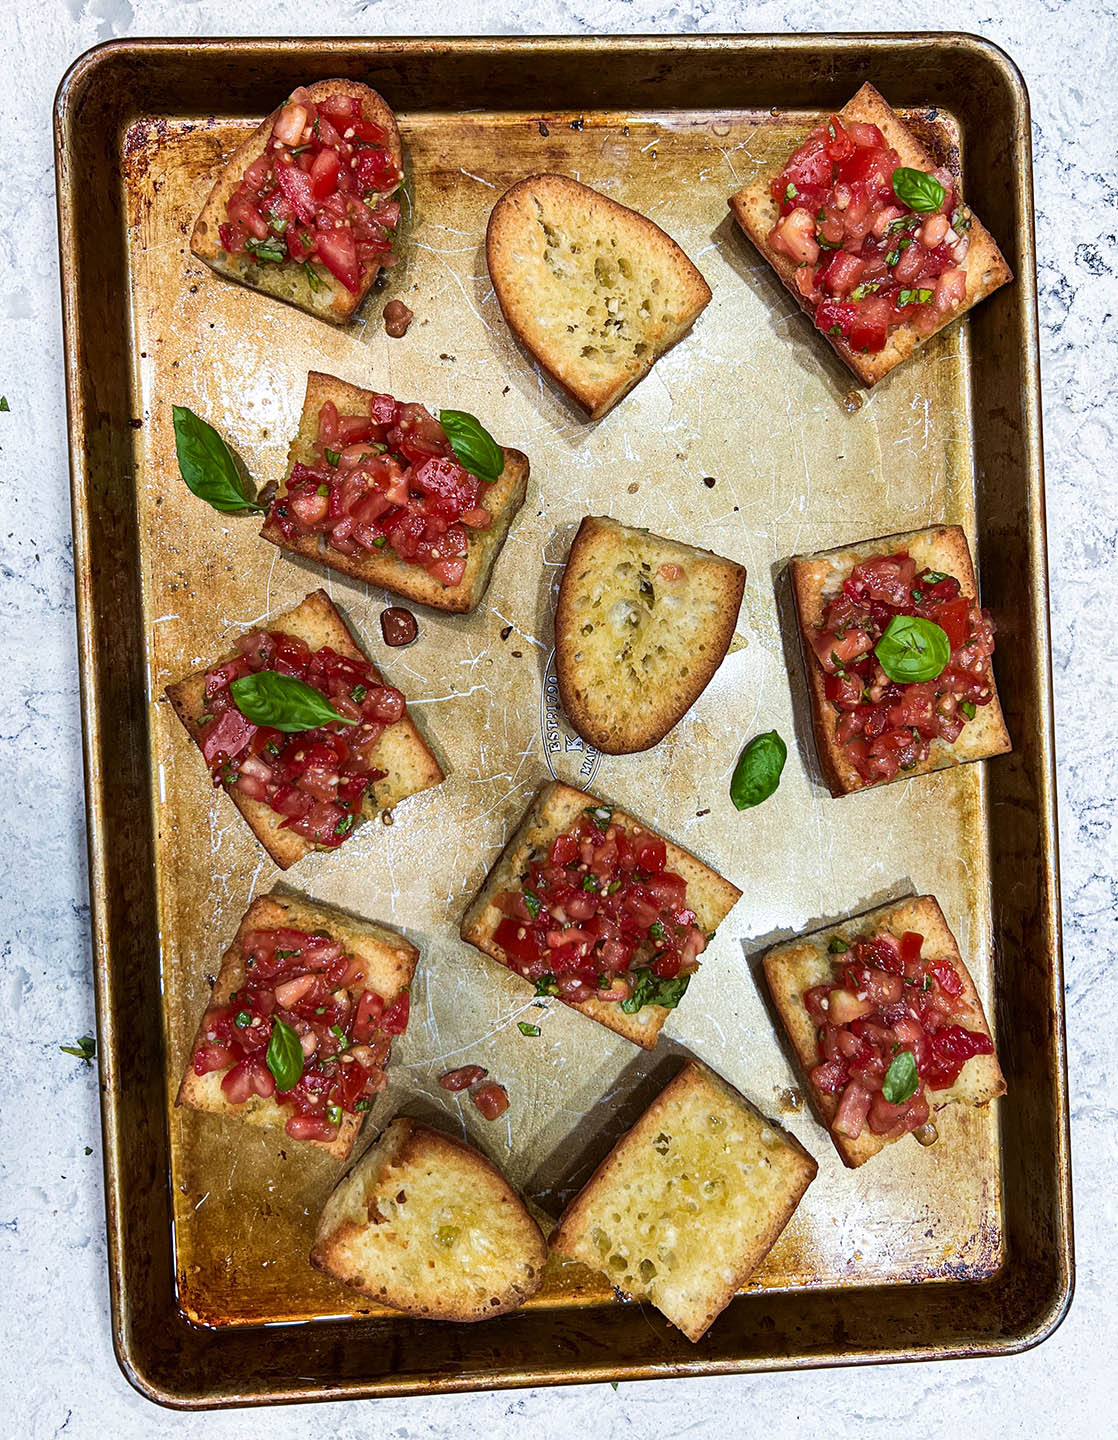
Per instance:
(751,400)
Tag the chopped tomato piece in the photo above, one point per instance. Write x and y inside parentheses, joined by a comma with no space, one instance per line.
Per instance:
(491,1099)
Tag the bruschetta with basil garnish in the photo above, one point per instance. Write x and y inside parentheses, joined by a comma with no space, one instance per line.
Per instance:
(299,1028)
(899,657)
(302,732)
(306,208)
(588,904)
(871,235)
(384,491)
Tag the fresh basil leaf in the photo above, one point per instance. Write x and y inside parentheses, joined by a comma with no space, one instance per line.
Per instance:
(912,650)
(85,1049)
(206,464)
(284,1056)
(918,190)
(968,708)
(652,990)
(837,945)
(757,773)
(473,445)
(283,703)
(547,985)
(4,406)
(901,1079)
(526,1029)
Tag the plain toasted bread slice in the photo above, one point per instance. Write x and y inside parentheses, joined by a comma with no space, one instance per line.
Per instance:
(595,291)
(641,626)
(816,579)
(555,809)
(757,212)
(328,299)
(793,968)
(384,567)
(689,1202)
(425,1224)
(401,750)
(390,964)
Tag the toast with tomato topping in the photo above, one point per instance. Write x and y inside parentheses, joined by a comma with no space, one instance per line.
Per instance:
(384,567)
(707,899)
(387,964)
(689,1202)
(818,580)
(931,977)
(594,291)
(400,755)
(641,626)
(982,265)
(309,284)
(425,1224)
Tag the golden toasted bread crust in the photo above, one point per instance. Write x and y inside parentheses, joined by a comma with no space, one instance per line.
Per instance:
(635,647)
(756,212)
(795,967)
(426,1225)
(330,300)
(401,750)
(596,292)
(816,579)
(391,963)
(502,499)
(555,809)
(649,1192)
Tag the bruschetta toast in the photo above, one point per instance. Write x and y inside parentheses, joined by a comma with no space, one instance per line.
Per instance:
(424,1224)
(864,614)
(375,490)
(294,798)
(588,904)
(689,1202)
(871,236)
(299,1028)
(886,1024)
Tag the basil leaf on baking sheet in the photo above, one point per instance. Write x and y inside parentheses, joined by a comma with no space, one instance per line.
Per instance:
(757,773)
(912,650)
(283,703)
(284,1056)
(918,190)
(207,465)
(474,447)
(901,1079)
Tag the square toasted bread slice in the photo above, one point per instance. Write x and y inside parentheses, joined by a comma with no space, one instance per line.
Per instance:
(798,965)
(757,212)
(324,297)
(503,498)
(401,750)
(554,810)
(389,967)
(817,578)
(641,626)
(426,1225)
(595,292)
(689,1202)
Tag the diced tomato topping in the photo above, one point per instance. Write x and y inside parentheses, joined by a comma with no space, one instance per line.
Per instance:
(491,1099)
(462,1078)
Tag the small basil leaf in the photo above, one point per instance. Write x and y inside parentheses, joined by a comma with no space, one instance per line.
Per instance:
(912,650)
(757,773)
(652,990)
(901,1079)
(918,190)
(474,447)
(547,985)
(283,703)
(526,1029)
(85,1049)
(206,464)
(284,1056)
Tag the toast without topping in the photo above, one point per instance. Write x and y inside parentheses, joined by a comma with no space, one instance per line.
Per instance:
(689,1202)
(757,212)
(816,579)
(794,968)
(425,1224)
(595,291)
(641,626)
(390,965)
(330,300)
(554,810)
(383,567)
(401,750)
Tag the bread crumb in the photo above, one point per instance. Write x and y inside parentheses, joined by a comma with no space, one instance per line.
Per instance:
(634,487)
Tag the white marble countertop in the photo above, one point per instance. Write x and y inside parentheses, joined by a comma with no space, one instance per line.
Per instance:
(57,1369)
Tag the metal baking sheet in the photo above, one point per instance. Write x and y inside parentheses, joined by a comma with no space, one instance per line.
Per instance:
(210,1225)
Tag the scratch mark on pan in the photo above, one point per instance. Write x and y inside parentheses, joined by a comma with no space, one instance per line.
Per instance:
(478,178)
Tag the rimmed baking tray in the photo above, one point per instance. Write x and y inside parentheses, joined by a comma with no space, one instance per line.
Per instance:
(208,1228)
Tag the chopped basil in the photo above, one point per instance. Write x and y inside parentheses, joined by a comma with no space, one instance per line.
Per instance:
(314,280)
(332,457)
(914,297)
(652,990)
(613,887)
(547,985)
(284,1056)
(917,597)
(912,650)
(265,250)
(532,903)
(323,490)
(380,542)
(790,192)
(241,1019)
(861,291)
(85,1049)
(358,693)
(601,815)
(656,930)
(526,1029)
(835,330)
(837,945)
(277,225)
(962,221)
(918,190)
(340,1036)
(892,257)
(906,222)
(300,149)
(361,1105)
(968,708)
(4,406)
(590,882)
(344,825)
(825,244)
(933,577)
(334,1114)
(901,1080)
